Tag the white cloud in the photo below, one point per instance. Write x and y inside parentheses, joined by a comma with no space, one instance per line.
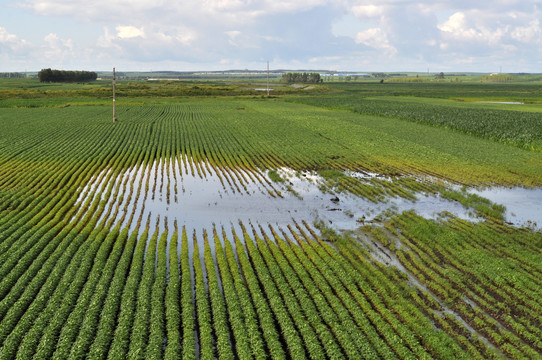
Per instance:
(456,23)
(106,40)
(95,10)
(6,37)
(459,28)
(55,42)
(370,11)
(149,43)
(128,32)
(186,36)
(475,31)
(376,38)
(224,5)
(12,43)
(205,33)
(56,50)
(232,35)
(532,33)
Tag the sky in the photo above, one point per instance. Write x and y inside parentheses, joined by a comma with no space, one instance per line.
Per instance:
(196,35)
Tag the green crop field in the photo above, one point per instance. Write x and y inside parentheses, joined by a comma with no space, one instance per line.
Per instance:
(210,221)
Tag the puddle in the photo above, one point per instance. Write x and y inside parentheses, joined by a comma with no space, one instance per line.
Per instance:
(167,190)
(523,206)
(502,102)
(367,175)
(200,197)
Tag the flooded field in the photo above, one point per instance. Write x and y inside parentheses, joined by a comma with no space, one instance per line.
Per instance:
(162,236)
(168,190)
(523,206)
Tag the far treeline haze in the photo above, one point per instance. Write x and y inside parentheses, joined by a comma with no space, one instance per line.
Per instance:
(303,77)
(48,75)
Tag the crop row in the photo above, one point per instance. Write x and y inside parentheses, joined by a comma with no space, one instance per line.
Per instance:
(83,273)
(478,273)
(112,298)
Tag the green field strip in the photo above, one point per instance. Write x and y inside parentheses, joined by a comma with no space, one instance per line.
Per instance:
(141,324)
(105,327)
(359,338)
(413,306)
(46,288)
(255,299)
(221,327)
(157,334)
(121,336)
(234,308)
(244,306)
(188,311)
(173,301)
(326,337)
(342,336)
(84,273)
(260,275)
(203,309)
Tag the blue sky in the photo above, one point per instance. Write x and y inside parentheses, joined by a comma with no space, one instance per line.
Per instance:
(354,35)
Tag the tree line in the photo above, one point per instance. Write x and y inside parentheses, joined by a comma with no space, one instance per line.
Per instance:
(12,75)
(48,75)
(293,77)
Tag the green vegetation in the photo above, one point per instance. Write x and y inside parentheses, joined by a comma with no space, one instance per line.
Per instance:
(48,75)
(274,176)
(301,77)
(85,275)
(267,134)
(516,127)
(480,205)
(470,270)
(32,93)
(498,78)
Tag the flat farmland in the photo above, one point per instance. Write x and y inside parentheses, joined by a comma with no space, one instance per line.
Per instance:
(337,223)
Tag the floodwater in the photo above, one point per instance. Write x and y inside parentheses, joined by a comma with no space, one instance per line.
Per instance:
(523,206)
(386,257)
(169,190)
(501,102)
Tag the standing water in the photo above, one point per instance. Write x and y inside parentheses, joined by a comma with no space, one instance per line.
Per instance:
(224,197)
(523,206)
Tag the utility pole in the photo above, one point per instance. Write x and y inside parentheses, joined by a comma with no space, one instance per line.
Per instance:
(268,79)
(114,108)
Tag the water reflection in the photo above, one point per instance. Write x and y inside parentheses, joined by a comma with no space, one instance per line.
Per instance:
(523,206)
(223,197)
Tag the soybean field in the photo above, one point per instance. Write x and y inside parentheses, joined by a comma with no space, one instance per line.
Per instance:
(265,228)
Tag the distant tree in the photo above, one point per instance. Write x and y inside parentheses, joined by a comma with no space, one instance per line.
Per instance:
(12,75)
(301,77)
(439,76)
(48,75)
(315,78)
(45,75)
